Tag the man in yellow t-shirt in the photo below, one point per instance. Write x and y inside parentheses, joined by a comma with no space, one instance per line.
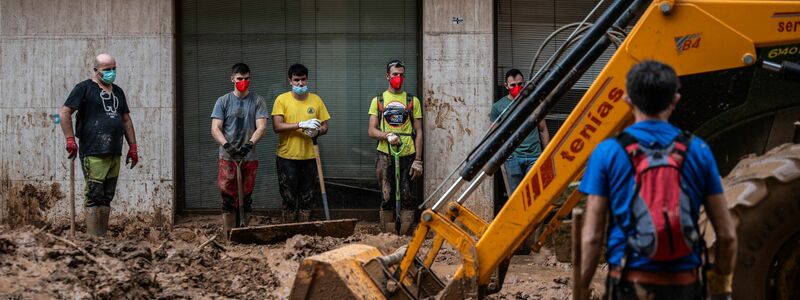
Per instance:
(298,116)
(395,120)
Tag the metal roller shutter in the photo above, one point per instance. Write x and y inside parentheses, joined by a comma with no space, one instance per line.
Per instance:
(523,25)
(344,43)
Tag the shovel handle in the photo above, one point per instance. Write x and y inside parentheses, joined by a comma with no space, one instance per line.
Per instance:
(321,180)
(72,196)
(240,191)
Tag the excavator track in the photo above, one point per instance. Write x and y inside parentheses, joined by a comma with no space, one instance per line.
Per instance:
(763,194)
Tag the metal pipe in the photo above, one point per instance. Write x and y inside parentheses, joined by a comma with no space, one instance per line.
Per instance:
(531,101)
(447,194)
(472,186)
(771,66)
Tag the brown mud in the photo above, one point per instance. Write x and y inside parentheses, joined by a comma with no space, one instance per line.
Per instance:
(142,261)
(27,203)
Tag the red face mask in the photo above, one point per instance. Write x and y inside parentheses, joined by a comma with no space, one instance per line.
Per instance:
(396,82)
(242,86)
(515,91)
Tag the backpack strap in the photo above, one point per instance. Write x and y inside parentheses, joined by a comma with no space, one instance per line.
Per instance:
(629,144)
(379,99)
(410,105)
(681,147)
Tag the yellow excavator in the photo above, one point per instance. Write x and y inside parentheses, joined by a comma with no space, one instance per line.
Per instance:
(738,63)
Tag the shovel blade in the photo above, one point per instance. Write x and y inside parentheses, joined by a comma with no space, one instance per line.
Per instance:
(276,233)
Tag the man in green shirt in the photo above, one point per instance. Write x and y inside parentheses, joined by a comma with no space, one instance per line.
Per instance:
(395,121)
(521,161)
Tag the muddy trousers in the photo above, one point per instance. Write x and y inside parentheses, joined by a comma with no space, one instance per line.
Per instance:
(627,290)
(297,182)
(226,180)
(385,171)
(100,172)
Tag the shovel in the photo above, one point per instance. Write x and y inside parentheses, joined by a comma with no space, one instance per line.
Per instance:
(265,234)
(321,180)
(397,202)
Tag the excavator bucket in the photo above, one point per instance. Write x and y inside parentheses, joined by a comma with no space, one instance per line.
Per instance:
(337,274)
(266,234)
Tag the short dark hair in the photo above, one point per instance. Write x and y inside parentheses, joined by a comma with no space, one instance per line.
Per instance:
(513,73)
(298,70)
(240,68)
(395,63)
(651,86)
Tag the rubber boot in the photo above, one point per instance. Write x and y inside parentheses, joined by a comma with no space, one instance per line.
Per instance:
(228,221)
(90,214)
(406,220)
(103,213)
(288,216)
(387,220)
(246,219)
(304,216)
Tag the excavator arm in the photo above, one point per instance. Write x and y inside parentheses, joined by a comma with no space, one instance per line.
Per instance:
(694,36)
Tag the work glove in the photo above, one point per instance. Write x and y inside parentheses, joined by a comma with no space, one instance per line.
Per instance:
(719,286)
(244,150)
(311,133)
(393,139)
(310,124)
(416,170)
(72,147)
(133,156)
(230,149)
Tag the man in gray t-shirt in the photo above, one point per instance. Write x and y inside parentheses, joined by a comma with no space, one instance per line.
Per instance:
(238,122)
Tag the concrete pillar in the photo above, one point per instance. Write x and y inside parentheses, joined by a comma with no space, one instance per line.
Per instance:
(458,60)
(47,47)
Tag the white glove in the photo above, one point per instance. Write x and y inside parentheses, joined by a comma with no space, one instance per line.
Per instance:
(310,124)
(312,133)
(393,139)
(416,170)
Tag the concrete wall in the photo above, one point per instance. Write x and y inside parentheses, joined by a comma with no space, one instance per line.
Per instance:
(457,88)
(46,47)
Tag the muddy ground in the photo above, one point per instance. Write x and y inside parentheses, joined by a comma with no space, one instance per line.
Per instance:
(138,261)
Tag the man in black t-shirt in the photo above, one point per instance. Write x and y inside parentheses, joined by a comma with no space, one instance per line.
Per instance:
(103,119)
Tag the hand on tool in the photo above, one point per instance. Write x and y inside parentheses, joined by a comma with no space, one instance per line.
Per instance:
(719,285)
(393,139)
(133,156)
(310,124)
(416,170)
(230,149)
(72,147)
(311,133)
(244,150)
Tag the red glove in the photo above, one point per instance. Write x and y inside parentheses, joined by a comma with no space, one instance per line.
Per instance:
(133,156)
(72,147)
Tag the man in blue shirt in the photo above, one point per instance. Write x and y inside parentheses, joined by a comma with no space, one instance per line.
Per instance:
(652,90)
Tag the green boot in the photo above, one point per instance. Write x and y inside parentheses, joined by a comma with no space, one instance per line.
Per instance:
(91,215)
(103,213)
(406,220)
(304,215)
(387,221)
(228,222)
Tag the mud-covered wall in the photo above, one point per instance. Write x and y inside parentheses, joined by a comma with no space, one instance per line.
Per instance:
(46,47)
(457,58)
